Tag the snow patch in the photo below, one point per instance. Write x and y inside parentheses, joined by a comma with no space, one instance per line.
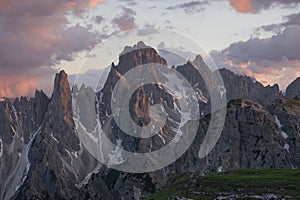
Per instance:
(220,169)
(13,130)
(284,135)
(162,138)
(1,147)
(27,153)
(200,96)
(222,90)
(115,157)
(54,138)
(287,148)
(278,122)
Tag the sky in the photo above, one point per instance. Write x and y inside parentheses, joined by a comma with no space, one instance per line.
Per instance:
(259,38)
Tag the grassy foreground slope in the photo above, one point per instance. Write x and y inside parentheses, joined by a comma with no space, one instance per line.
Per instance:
(237,184)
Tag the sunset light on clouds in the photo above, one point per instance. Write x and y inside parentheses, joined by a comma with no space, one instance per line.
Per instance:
(242,6)
(253,37)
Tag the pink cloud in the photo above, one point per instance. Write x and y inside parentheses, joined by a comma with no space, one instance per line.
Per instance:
(35,35)
(243,6)
(255,6)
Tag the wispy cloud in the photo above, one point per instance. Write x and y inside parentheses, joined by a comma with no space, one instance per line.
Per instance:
(190,7)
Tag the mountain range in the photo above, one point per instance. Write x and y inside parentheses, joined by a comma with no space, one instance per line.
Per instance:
(41,151)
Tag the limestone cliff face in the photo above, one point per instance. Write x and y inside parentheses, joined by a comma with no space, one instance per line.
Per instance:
(19,122)
(250,139)
(287,114)
(293,89)
(31,112)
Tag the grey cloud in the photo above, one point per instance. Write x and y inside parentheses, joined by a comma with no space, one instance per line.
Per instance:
(290,20)
(271,28)
(283,44)
(147,31)
(129,2)
(126,20)
(77,39)
(190,7)
(99,19)
(265,4)
(293,19)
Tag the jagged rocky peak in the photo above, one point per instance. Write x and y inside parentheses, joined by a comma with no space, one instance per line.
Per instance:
(8,121)
(139,54)
(139,45)
(131,57)
(53,151)
(60,113)
(61,84)
(31,112)
(61,100)
(190,72)
(198,60)
(293,89)
(242,86)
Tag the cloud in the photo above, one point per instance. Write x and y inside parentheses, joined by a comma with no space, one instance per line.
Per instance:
(290,20)
(293,19)
(190,7)
(129,2)
(26,83)
(255,6)
(175,55)
(283,44)
(274,59)
(10,86)
(126,20)
(35,34)
(99,19)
